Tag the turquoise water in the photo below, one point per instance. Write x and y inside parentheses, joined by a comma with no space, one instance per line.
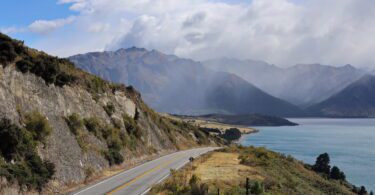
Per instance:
(349,142)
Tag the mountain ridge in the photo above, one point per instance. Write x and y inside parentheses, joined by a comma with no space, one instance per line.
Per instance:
(179,85)
(356,100)
(311,83)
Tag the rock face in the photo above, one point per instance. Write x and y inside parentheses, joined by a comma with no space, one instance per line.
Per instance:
(182,86)
(23,93)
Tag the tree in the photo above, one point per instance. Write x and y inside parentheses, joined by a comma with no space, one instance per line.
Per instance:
(362,191)
(232,134)
(337,174)
(371,193)
(257,188)
(322,164)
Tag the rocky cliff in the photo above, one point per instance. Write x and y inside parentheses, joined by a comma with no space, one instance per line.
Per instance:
(94,124)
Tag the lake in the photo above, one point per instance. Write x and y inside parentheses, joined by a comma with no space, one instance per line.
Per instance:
(349,142)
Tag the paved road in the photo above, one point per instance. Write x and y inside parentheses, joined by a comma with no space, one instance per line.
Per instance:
(138,180)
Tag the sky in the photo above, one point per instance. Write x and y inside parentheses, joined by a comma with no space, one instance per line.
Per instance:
(281,32)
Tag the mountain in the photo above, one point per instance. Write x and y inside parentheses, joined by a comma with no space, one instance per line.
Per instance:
(310,83)
(182,86)
(60,126)
(356,100)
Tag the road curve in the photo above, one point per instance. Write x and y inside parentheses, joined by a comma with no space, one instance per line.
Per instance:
(138,180)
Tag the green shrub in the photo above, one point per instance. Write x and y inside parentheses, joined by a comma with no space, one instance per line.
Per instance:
(257,188)
(19,145)
(232,134)
(64,79)
(7,52)
(109,108)
(337,174)
(24,65)
(131,126)
(38,126)
(15,142)
(93,125)
(96,85)
(114,157)
(47,67)
(75,123)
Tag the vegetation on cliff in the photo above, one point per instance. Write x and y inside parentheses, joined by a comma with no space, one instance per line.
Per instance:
(19,160)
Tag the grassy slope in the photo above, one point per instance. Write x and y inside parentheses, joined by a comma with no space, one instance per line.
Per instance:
(227,170)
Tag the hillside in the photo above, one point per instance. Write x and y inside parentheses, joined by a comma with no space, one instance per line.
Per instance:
(60,126)
(356,100)
(182,86)
(310,83)
(226,170)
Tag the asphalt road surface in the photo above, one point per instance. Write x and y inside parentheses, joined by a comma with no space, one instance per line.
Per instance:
(138,180)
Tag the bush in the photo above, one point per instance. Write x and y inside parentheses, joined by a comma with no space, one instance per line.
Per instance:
(15,142)
(337,174)
(24,65)
(257,188)
(232,134)
(75,123)
(93,125)
(38,126)
(7,52)
(96,85)
(49,68)
(131,126)
(18,145)
(64,79)
(109,108)
(114,157)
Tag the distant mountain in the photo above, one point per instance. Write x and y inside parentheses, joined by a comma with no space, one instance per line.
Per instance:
(302,85)
(182,86)
(356,100)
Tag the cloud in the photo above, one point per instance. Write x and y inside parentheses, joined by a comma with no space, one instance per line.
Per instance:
(48,26)
(12,30)
(283,32)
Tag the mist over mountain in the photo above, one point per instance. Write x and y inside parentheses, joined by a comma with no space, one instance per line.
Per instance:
(182,86)
(309,83)
(356,100)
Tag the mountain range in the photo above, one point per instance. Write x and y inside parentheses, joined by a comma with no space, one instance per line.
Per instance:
(182,86)
(356,100)
(310,83)
(231,86)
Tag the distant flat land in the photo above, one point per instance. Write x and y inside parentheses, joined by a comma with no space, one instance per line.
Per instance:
(201,122)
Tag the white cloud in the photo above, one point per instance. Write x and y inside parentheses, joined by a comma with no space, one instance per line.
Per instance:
(48,26)
(12,30)
(283,32)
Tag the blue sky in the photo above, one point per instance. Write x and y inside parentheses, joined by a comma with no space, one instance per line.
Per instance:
(21,13)
(24,12)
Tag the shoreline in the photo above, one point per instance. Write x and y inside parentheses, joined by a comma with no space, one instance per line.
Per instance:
(243,135)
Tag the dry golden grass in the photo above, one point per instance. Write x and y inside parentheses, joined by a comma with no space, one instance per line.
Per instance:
(224,167)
